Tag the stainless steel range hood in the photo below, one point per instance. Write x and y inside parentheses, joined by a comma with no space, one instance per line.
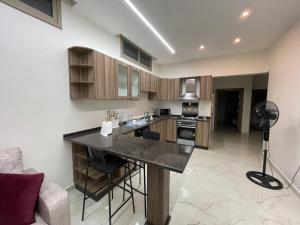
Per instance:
(189,89)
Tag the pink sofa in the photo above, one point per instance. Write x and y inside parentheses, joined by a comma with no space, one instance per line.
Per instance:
(53,203)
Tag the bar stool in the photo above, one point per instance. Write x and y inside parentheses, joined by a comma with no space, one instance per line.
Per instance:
(147,134)
(108,164)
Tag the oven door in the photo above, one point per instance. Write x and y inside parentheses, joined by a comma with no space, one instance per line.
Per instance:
(186,135)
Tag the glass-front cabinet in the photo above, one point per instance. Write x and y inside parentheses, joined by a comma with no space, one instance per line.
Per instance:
(134,83)
(122,77)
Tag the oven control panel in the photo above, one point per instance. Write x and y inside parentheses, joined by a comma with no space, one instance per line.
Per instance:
(186,123)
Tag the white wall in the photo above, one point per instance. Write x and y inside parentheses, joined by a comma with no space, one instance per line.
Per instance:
(247,63)
(284,81)
(34,92)
(244,82)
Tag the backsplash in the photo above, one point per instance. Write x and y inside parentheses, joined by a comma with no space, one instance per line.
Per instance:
(176,108)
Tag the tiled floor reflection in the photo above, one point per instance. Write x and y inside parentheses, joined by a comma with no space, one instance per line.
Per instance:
(212,191)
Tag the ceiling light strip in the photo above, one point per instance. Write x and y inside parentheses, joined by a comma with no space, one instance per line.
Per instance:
(149,25)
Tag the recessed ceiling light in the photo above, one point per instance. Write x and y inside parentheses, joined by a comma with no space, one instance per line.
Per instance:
(245,14)
(202,47)
(237,40)
(149,25)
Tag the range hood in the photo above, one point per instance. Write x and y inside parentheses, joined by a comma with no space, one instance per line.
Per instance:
(189,89)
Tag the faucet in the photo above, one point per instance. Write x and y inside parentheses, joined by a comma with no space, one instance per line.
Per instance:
(146,115)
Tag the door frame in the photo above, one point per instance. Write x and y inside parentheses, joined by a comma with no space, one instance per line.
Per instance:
(240,106)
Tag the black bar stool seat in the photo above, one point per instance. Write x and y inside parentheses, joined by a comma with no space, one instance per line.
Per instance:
(111,165)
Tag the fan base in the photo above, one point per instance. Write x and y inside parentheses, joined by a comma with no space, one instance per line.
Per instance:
(264,180)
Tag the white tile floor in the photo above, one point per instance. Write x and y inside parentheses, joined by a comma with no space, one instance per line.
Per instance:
(212,191)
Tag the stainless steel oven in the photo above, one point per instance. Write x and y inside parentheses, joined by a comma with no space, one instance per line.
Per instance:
(186,126)
(186,131)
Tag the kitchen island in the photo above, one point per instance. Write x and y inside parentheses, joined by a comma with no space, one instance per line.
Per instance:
(160,157)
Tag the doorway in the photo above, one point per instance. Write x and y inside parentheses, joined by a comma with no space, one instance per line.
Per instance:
(229,109)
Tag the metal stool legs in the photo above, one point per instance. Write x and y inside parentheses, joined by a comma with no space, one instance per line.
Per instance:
(110,186)
(84,196)
(131,189)
(109,201)
(145,184)
(145,191)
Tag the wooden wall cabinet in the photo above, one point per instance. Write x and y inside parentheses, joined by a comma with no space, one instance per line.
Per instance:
(169,89)
(174,89)
(82,73)
(145,82)
(94,75)
(163,89)
(205,88)
(134,75)
(122,80)
(202,134)
(153,83)
(171,130)
(149,82)
(105,77)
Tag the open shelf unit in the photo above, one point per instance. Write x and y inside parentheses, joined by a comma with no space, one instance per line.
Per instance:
(82,73)
(96,179)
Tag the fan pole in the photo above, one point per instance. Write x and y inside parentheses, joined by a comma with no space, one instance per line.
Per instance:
(262,178)
(265,162)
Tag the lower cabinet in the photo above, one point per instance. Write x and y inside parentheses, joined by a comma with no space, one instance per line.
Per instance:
(167,129)
(171,130)
(202,134)
(159,127)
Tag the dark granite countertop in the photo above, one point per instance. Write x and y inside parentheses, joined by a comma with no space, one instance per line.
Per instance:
(170,156)
(199,118)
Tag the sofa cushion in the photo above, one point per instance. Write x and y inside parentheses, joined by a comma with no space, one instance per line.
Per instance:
(11,160)
(19,194)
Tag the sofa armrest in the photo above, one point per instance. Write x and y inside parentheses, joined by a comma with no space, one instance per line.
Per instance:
(53,205)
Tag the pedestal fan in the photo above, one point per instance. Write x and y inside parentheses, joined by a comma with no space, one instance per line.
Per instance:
(263,116)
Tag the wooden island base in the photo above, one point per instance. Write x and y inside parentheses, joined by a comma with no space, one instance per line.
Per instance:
(158,188)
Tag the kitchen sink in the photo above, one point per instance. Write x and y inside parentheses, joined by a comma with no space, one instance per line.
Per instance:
(139,122)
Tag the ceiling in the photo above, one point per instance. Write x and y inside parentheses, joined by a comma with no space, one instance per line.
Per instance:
(187,24)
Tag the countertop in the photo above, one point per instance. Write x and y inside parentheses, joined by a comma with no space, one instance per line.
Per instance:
(199,118)
(170,156)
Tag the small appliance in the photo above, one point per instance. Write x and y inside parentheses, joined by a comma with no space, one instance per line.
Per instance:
(162,112)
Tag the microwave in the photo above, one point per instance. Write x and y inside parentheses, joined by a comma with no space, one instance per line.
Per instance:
(162,112)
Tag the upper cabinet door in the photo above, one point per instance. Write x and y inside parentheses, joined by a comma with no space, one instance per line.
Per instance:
(134,83)
(105,77)
(144,81)
(171,89)
(205,88)
(177,89)
(163,93)
(122,77)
